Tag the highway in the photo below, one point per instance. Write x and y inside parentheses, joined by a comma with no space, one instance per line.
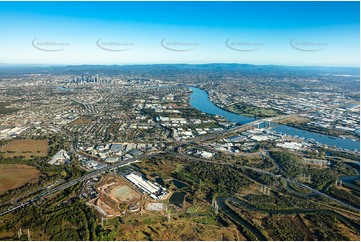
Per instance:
(77,180)
(177,144)
(237,129)
(321,194)
(267,173)
(245,127)
(302,185)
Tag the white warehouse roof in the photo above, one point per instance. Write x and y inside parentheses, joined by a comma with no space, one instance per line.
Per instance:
(141,183)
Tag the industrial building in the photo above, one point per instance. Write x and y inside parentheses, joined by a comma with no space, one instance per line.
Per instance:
(154,190)
(60,158)
(116,148)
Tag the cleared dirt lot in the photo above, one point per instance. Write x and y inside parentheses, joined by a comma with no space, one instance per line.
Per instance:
(14,175)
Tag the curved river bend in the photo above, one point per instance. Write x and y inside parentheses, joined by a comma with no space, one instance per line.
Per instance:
(199,99)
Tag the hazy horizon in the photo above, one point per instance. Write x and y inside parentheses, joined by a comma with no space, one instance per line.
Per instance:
(128,33)
(149,64)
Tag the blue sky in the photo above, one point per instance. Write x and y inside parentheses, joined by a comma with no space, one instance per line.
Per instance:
(286,33)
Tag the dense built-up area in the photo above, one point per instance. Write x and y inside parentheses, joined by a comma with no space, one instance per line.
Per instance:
(120,154)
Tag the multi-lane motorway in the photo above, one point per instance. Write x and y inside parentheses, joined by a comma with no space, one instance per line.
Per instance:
(177,144)
(75,181)
(271,174)
(238,128)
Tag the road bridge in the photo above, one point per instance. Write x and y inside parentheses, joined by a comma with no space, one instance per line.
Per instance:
(240,128)
(196,140)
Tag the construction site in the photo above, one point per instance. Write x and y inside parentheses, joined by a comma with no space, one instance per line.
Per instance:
(114,196)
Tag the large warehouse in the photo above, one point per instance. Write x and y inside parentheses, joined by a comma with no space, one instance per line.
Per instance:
(155,191)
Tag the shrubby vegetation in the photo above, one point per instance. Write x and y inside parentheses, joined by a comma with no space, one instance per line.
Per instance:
(343,154)
(291,163)
(213,178)
(49,173)
(321,177)
(265,163)
(326,226)
(278,202)
(64,217)
(281,228)
(351,198)
(262,178)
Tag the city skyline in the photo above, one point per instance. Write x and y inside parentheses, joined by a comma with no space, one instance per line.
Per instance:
(120,33)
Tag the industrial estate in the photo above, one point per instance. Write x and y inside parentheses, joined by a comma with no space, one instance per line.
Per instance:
(197,152)
(180,121)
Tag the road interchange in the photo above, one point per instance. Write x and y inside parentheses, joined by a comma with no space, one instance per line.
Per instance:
(175,145)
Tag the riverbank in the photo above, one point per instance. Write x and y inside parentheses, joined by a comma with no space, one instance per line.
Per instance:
(255,112)
(319,130)
(200,100)
(252,111)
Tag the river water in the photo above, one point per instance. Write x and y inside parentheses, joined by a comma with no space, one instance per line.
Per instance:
(199,99)
(350,180)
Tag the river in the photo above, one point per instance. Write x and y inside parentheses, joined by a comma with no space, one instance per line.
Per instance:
(199,99)
(350,180)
